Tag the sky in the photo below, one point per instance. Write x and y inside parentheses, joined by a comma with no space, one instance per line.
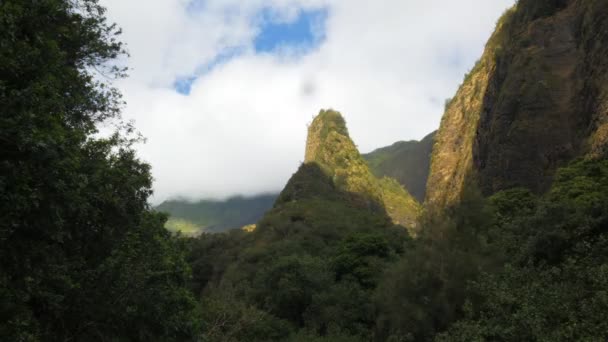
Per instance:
(223,90)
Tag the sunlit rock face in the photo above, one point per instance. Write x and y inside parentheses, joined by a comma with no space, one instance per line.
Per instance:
(329,146)
(536,99)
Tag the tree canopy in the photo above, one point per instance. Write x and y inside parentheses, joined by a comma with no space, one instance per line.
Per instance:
(82,255)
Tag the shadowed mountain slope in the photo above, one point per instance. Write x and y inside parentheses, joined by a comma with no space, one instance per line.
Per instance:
(408,162)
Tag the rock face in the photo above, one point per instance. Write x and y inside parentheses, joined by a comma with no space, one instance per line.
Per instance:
(406,161)
(536,99)
(330,148)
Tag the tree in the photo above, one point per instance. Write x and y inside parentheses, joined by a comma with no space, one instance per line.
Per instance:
(82,256)
(553,285)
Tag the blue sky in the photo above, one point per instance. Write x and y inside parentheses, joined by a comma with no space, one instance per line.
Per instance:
(300,34)
(183,84)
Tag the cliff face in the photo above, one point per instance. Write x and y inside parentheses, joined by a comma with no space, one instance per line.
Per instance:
(330,148)
(537,98)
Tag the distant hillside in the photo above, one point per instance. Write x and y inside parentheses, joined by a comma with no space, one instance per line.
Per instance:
(406,161)
(192,218)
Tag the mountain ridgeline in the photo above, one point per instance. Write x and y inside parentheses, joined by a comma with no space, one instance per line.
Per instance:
(211,216)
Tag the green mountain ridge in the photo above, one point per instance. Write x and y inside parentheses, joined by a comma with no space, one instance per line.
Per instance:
(213,216)
(406,161)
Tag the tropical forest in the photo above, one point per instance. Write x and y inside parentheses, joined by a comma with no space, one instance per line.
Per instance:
(491,225)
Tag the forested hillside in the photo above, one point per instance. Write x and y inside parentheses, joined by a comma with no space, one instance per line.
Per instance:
(510,244)
(82,256)
(514,261)
(510,267)
(329,147)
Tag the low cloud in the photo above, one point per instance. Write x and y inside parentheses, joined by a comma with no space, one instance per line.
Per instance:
(386,65)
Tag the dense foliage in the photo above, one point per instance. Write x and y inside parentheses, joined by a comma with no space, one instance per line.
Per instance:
(553,284)
(511,267)
(82,257)
(308,271)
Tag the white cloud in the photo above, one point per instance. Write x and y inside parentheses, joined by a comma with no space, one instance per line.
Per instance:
(386,65)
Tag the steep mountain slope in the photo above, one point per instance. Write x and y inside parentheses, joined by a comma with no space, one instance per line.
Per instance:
(215,216)
(406,161)
(537,98)
(311,265)
(329,146)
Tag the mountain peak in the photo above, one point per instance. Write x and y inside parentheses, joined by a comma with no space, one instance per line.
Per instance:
(328,127)
(329,147)
(331,120)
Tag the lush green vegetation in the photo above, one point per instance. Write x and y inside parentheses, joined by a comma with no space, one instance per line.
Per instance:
(82,256)
(192,218)
(306,273)
(552,286)
(406,161)
(511,267)
(183,227)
